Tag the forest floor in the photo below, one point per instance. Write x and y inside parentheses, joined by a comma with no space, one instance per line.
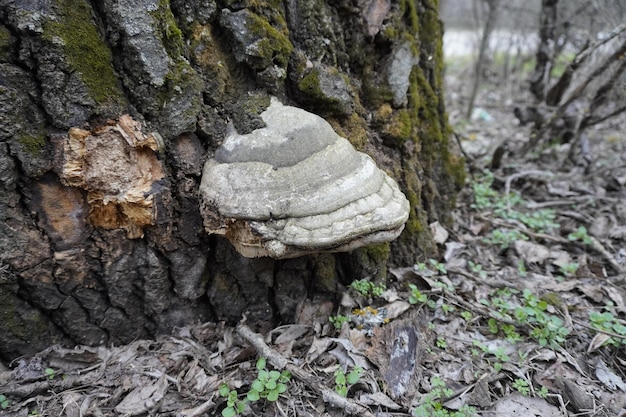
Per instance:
(522,315)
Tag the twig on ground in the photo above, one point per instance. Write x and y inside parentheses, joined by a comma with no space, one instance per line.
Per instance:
(495,282)
(280,362)
(511,178)
(197,411)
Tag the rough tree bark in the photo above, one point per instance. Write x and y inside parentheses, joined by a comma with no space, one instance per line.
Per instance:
(101,239)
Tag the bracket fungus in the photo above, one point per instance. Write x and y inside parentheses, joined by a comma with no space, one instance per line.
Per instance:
(296,187)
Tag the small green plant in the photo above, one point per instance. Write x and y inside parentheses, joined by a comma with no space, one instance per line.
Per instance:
(418,297)
(512,208)
(4,401)
(433,267)
(367,288)
(580,235)
(344,381)
(441,343)
(499,353)
(542,392)
(233,405)
(50,373)
(477,269)
(522,386)
(569,269)
(521,268)
(504,237)
(607,322)
(338,320)
(268,385)
(547,329)
(447,308)
(466,315)
(431,403)
(441,268)
(528,311)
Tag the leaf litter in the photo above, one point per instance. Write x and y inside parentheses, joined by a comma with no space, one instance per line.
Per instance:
(524,314)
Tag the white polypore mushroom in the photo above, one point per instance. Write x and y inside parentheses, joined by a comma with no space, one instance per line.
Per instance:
(296,187)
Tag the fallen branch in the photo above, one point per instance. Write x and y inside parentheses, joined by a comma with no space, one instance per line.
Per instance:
(280,362)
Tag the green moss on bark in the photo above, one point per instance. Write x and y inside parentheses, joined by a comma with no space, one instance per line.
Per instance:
(85,50)
(168,30)
(273,45)
(33,144)
(353,128)
(6,44)
(17,325)
(324,273)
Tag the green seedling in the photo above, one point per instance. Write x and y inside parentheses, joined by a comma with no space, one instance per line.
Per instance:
(499,353)
(569,269)
(431,404)
(529,312)
(50,373)
(504,237)
(477,269)
(268,385)
(4,401)
(522,386)
(441,343)
(418,297)
(467,316)
(367,288)
(441,268)
(512,208)
(233,405)
(580,235)
(542,392)
(344,381)
(607,322)
(338,320)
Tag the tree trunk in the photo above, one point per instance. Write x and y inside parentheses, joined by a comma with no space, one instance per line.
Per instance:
(108,111)
(490,23)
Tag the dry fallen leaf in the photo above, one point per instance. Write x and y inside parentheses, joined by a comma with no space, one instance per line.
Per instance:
(144,398)
(518,405)
(608,377)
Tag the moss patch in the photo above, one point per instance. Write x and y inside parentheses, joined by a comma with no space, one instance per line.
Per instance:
(212,60)
(353,128)
(33,144)
(273,45)
(6,44)
(85,50)
(310,84)
(399,127)
(324,274)
(371,261)
(169,32)
(16,323)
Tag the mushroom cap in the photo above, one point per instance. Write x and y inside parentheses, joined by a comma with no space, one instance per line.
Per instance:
(296,187)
